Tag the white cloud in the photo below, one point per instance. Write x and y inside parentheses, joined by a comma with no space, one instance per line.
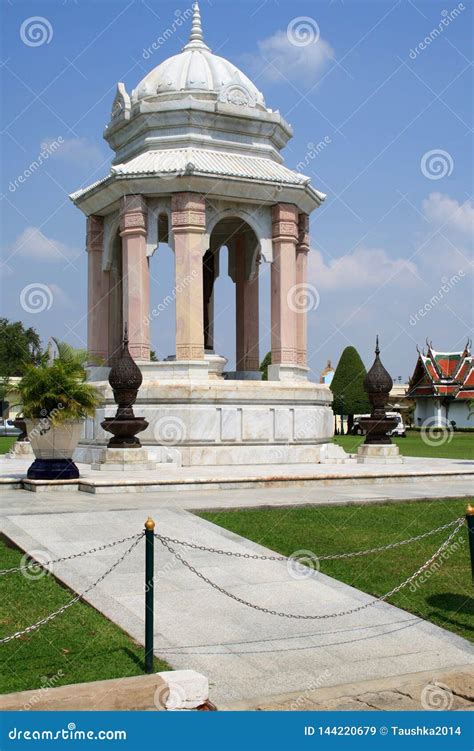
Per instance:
(61,297)
(281,59)
(364,268)
(446,212)
(74,150)
(32,243)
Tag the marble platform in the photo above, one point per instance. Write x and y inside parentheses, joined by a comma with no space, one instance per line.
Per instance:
(413,472)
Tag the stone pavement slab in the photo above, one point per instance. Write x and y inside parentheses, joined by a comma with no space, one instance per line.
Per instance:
(412,692)
(336,493)
(245,653)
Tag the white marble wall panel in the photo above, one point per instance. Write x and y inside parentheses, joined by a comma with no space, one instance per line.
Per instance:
(257,424)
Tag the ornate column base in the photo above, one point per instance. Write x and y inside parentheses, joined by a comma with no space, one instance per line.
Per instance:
(290,372)
(124,460)
(373,453)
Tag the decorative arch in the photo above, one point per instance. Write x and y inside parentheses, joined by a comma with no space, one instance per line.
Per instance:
(259,220)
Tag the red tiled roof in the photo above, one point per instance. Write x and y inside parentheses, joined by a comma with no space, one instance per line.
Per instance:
(443,374)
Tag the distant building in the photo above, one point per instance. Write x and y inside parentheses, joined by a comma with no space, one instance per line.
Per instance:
(327,375)
(398,401)
(442,386)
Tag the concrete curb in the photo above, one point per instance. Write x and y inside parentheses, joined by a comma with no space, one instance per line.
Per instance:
(169,690)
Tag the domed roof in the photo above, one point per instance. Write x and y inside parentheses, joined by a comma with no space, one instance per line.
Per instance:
(197,72)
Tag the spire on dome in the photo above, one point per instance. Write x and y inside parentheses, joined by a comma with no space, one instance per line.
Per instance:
(196,38)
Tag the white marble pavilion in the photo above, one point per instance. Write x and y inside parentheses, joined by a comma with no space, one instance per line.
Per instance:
(197,166)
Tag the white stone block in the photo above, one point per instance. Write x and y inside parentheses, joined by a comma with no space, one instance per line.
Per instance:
(332,453)
(372,453)
(187,689)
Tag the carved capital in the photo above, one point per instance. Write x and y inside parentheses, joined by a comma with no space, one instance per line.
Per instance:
(95,233)
(133,211)
(284,221)
(188,211)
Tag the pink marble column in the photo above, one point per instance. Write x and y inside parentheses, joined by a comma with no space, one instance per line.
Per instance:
(246,311)
(189,222)
(136,276)
(302,249)
(97,292)
(283,281)
(115,304)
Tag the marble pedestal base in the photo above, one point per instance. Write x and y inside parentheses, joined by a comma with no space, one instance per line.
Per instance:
(373,453)
(123,460)
(221,422)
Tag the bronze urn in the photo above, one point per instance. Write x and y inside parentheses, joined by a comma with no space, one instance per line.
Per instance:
(377,384)
(125,379)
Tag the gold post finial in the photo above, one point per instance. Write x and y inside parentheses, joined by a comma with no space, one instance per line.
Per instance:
(149,524)
(470,510)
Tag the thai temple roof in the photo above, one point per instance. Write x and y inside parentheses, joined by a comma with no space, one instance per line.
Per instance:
(443,374)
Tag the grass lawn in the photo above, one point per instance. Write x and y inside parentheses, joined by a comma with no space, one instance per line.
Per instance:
(6,441)
(461,445)
(79,645)
(445,598)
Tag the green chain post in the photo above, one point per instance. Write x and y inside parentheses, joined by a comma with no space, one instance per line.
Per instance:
(149,581)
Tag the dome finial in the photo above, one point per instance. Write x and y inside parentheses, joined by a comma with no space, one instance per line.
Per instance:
(196,38)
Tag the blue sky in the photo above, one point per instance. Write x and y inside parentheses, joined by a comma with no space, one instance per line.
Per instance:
(394,235)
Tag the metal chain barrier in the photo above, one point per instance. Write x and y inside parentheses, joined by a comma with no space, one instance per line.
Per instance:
(37,564)
(443,546)
(75,599)
(257,557)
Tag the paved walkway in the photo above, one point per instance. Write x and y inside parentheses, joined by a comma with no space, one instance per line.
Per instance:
(246,654)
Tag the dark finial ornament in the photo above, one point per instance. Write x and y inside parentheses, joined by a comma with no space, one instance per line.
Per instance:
(377,384)
(378,380)
(125,379)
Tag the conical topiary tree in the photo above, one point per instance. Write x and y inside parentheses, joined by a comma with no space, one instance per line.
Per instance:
(347,386)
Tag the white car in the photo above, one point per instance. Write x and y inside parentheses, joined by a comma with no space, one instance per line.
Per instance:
(399,429)
(7,428)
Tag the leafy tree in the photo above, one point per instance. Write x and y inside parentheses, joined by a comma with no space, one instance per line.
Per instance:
(267,360)
(347,386)
(19,347)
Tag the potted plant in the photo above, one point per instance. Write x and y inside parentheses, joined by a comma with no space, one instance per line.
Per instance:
(55,400)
